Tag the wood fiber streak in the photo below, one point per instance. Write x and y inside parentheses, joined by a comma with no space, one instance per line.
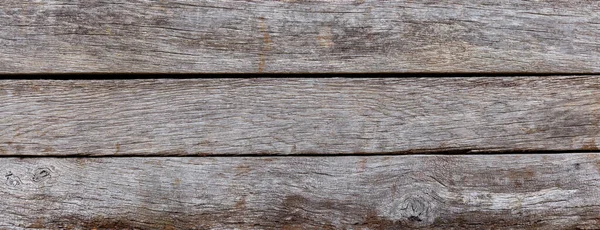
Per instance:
(57,36)
(299,116)
(558,191)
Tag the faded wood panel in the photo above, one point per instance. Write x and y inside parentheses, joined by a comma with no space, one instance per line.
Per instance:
(299,36)
(558,191)
(298,116)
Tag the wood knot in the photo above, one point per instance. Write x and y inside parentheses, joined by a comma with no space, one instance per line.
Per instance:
(41,174)
(414,209)
(12,180)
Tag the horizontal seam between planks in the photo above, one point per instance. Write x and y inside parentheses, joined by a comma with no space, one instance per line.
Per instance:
(113,76)
(465,152)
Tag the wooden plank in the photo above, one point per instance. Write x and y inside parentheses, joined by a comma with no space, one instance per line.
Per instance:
(298,116)
(299,36)
(558,191)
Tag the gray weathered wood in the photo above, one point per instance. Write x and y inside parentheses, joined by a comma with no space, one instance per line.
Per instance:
(299,36)
(558,191)
(298,116)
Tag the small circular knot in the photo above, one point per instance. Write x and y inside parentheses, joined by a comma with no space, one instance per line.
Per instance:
(12,180)
(41,174)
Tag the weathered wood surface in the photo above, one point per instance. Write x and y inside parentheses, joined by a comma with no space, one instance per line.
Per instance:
(299,36)
(298,116)
(353,192)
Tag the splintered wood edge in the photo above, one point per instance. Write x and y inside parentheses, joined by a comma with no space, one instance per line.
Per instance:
(206,36)
(556,191)
(199,117)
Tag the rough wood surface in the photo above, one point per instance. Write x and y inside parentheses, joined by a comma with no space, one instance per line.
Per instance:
(558,191)
(298,116)
(299,36)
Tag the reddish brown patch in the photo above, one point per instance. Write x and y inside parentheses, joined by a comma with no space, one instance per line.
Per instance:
(443,145)
(373,221)
(93,223)
(545,158)
(48,149)
(267,41)
(292,227)
(203,142)
(102,223)
(36,88)
(140,222)
(325,37)
(266,44)
(241,204)
(242,169)
(362,165)
(117,148)
(80,162)
(83,161)
(262,62)
(596,121)
(177,182)
(519,177)
(294,215)
(492,220)
(39,223)
(590,145)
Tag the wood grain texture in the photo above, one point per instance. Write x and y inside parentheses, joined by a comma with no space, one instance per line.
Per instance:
(558,191)
(298,116)
(299,36)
